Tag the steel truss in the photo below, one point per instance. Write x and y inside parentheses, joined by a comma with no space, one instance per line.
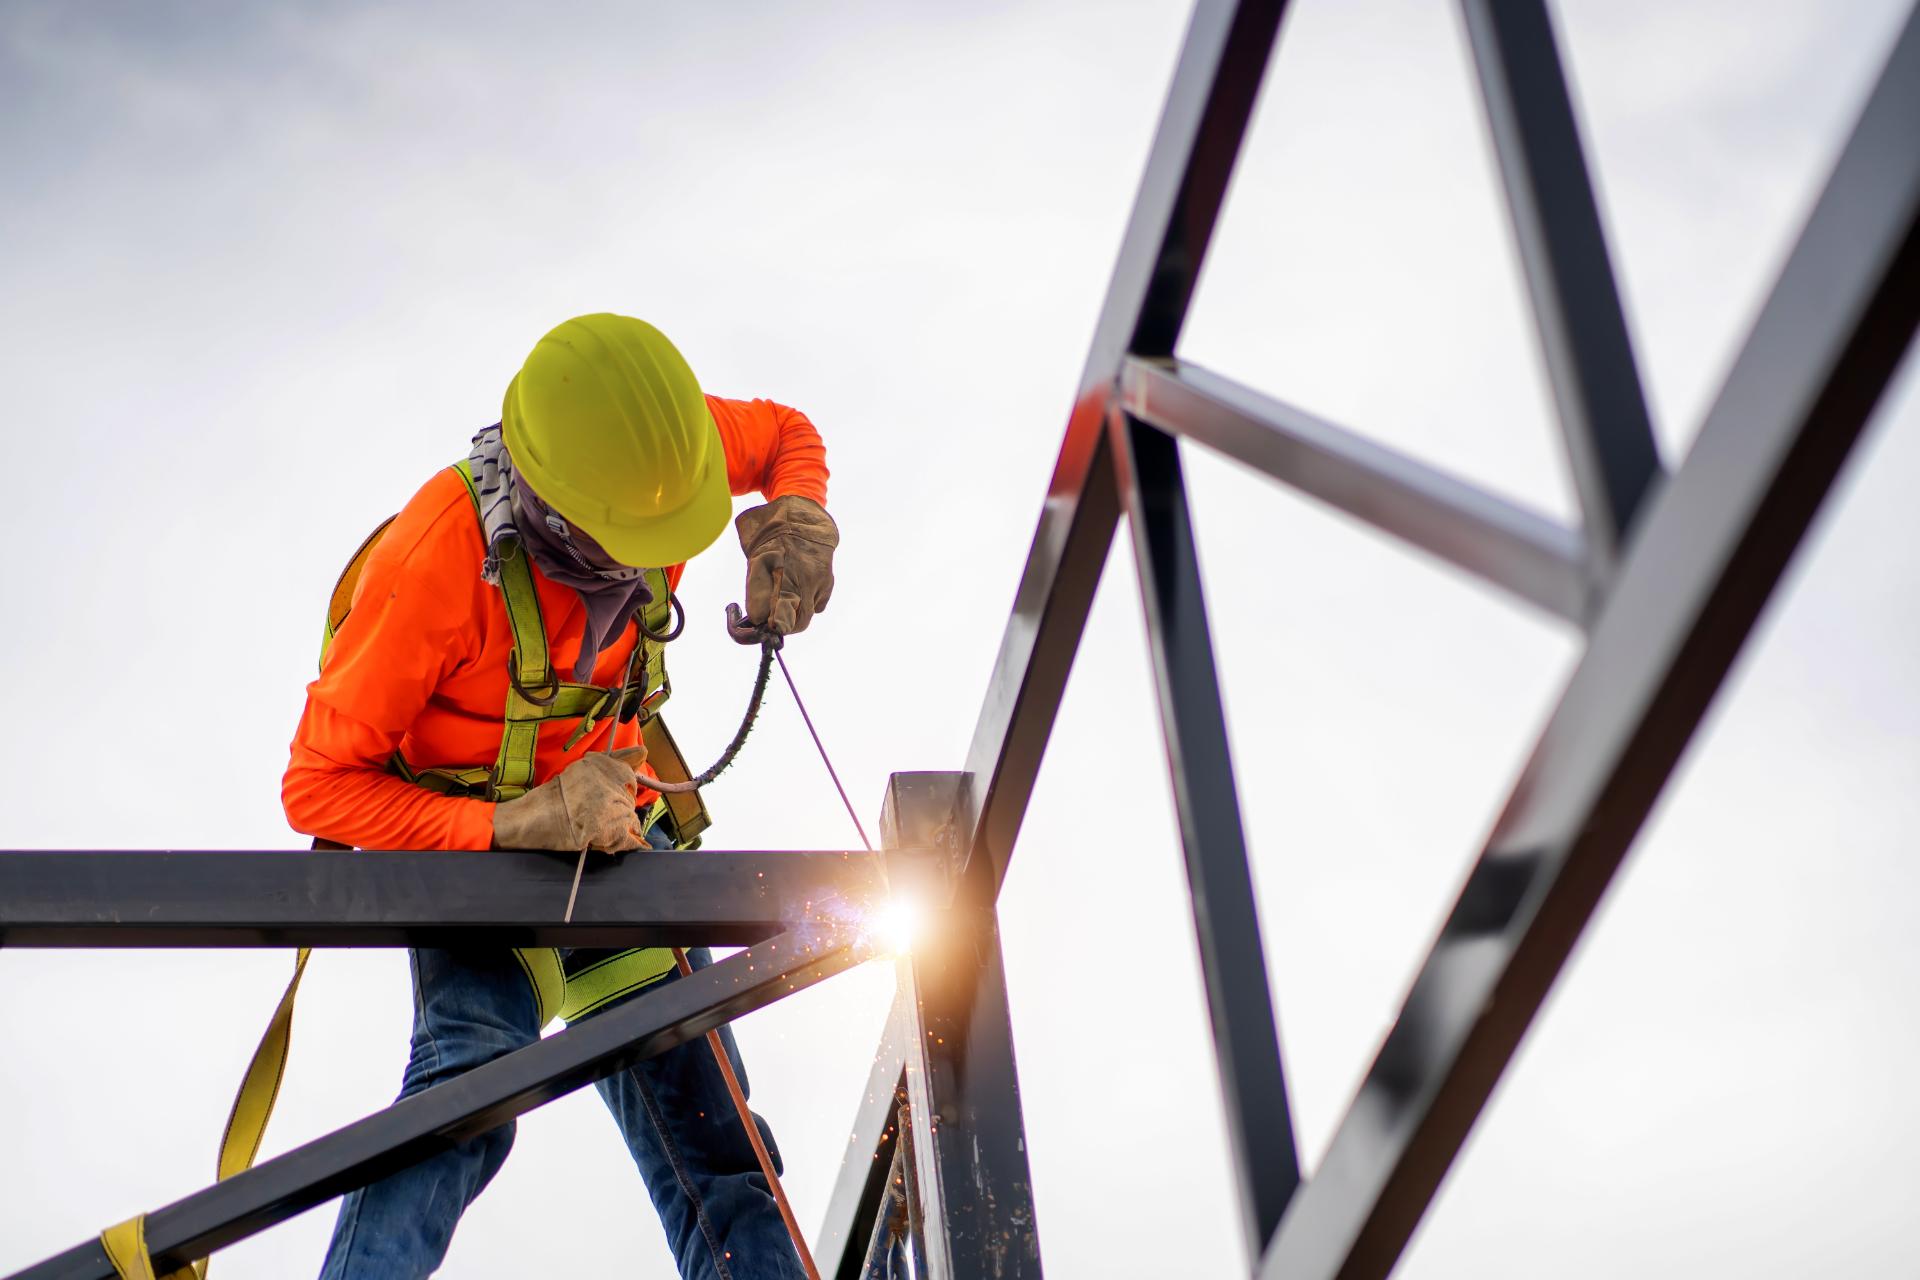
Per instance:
(1666,576)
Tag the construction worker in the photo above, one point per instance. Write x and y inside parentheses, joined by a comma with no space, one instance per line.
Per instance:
(608,470)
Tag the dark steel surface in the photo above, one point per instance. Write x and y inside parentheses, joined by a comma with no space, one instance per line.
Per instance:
(469,1104)
(968,1137)
(1499,541)
(1208,105)
(1710,550)
(1589,357)
(968,1133)
(1225,915)
(858,1188)
(442,898)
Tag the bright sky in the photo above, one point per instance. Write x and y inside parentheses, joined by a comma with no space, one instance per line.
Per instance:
(262,269)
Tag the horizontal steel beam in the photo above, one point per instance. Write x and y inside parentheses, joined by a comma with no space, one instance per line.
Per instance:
(1490,537)
(840,1248)
(442,899)
(466,1106)
(1701,565)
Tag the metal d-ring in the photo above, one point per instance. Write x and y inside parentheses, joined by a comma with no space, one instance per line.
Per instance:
(679,621)
(549,691)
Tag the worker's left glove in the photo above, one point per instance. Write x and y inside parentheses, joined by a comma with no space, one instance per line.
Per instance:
(789,544)
(587,805)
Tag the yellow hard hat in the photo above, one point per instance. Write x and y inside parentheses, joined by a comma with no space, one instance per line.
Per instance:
(607,424)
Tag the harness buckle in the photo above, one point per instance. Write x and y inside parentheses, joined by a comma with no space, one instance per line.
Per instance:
(647,706)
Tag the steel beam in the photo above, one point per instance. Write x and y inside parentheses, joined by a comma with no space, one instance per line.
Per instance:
(1583,334)
(466,1106)
(968,1137)
(1501,542)
(1208,106)
(439,899)
(861,1183)
(1708,554)
(1225,915)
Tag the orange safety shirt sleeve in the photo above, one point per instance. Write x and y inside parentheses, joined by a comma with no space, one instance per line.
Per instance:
(411,626)
(771,449)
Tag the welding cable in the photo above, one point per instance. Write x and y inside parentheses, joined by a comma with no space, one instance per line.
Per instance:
(760,1151)
(768,647)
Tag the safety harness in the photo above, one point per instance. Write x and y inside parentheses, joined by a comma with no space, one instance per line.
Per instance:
(565,987)
(535,696)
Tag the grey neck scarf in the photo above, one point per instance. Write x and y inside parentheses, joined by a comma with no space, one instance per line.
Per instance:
(514,521)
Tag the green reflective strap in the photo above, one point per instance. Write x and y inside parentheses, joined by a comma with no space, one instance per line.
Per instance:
(658,615)
(454,782)
(513,768)
(578,700)
(530,665)
(547,977)
(591,717)
(446,781)
(607,980)
(529,657)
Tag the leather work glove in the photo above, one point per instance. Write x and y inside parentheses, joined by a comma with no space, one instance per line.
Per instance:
(587,805)
(789,544)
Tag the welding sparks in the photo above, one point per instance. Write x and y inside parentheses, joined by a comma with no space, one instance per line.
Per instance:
(886,928)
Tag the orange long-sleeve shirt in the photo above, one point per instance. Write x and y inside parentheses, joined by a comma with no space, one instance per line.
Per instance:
(421,662)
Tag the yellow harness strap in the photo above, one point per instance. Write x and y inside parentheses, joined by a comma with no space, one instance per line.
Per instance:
(260,1088)
(126,1244)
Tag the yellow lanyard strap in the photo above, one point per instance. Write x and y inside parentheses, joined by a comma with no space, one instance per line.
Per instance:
(126,1247)
(126,1243)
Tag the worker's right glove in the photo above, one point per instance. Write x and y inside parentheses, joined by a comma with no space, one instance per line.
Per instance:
(789,545)
(587,805)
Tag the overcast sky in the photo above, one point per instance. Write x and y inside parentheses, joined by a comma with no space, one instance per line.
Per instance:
(263,268)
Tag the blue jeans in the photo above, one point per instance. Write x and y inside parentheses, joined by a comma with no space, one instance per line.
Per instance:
(673,1110)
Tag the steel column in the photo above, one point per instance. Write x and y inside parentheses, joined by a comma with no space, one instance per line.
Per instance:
(1208,106)
(968,1139)
(428,899)
(1708,554)
(1498,541)
(1589,357)
(470,1104)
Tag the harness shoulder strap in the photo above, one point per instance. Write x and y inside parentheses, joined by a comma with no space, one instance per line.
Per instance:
(531,670)
(532,685)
